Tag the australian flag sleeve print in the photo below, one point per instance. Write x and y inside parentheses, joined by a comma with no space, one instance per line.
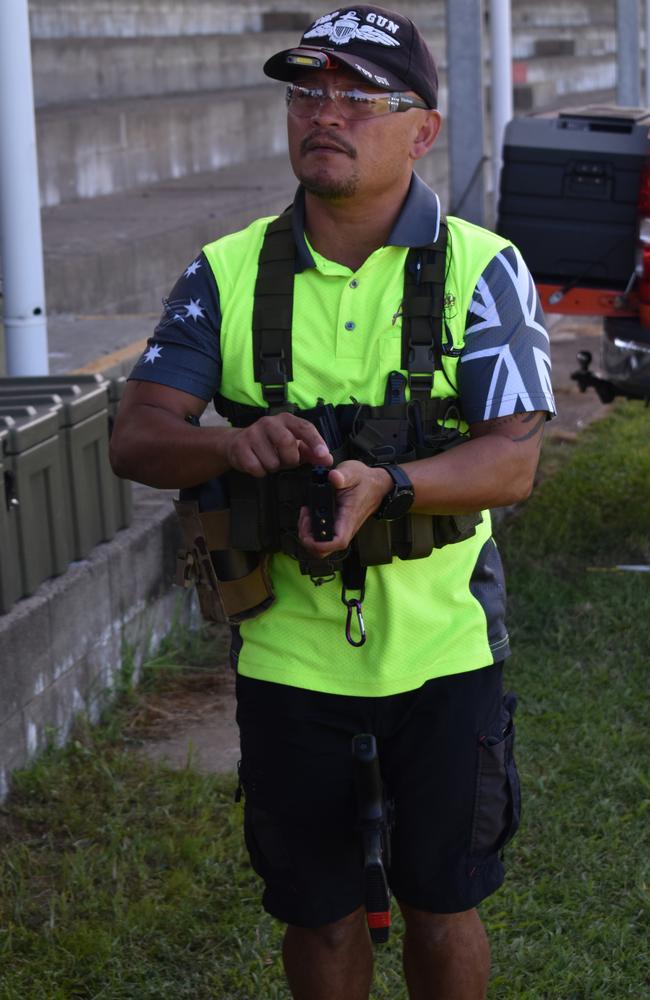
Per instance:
(184,350)
(505,366)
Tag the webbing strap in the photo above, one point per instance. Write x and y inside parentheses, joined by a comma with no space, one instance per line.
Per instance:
(243,415)
(273,312)
(422,314)
(422,309)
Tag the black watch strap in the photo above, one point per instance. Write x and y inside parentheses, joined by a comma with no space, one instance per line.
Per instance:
(399,500)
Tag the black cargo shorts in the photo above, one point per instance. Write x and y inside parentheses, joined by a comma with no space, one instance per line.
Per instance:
(446,757)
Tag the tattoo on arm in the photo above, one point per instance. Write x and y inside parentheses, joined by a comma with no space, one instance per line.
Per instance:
(525,418)
(537,428)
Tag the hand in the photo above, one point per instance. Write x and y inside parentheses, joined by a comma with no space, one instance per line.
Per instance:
(360,489)
(283,441)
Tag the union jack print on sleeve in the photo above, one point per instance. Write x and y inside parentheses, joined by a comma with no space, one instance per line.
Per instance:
(505,366)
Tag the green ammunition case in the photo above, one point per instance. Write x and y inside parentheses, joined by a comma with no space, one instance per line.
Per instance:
(37,542)
(82,415)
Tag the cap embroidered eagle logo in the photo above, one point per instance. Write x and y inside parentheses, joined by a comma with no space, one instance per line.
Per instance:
(348,27)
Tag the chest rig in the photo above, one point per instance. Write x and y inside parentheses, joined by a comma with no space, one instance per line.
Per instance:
(245,519)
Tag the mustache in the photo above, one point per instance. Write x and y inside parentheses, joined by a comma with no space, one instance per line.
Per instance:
(321,136)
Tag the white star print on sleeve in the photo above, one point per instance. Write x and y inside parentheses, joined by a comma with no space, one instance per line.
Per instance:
(193,268)
(194,309)
(183,352)
(152,354)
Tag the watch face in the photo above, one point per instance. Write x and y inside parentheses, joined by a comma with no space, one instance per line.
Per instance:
(398,504)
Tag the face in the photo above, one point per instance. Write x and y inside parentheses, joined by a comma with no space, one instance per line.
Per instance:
(336,158)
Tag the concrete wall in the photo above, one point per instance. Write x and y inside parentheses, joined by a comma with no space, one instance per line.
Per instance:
(64,649)
(131,18)
(86,151)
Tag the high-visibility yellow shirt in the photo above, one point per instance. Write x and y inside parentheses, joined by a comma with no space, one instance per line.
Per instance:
(445,613)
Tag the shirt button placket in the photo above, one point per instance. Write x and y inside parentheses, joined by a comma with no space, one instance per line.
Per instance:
(350,325)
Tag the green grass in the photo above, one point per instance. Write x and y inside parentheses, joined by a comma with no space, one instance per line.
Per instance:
(122,880)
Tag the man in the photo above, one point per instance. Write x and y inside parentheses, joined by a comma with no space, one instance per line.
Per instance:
(421,669)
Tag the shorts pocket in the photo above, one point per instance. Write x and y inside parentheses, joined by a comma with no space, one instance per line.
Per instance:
(497,802)
(264,833)
(269,853)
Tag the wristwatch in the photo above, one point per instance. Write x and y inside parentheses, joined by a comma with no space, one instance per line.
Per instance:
(399,500)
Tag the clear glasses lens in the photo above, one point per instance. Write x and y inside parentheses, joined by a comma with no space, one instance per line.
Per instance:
(306,101)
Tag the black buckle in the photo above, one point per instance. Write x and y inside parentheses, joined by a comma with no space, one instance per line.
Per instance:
(421,358)
(275,395)
(273,377)
(272,369)
(420,384)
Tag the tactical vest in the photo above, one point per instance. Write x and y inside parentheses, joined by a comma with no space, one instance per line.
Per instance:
(233,524)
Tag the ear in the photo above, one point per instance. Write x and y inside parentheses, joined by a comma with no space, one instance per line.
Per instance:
(426,135)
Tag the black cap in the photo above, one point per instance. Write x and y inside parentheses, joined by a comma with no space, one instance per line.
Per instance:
(381,46)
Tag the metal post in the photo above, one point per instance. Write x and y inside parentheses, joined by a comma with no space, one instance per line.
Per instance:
(501,85)
(466,133)
(20,216)
(628,91)
(647,53)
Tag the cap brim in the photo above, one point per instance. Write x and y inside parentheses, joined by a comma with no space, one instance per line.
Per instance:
(278,68)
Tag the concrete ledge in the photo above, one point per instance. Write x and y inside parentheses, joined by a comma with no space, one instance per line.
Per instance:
(126,18)
(66,648)
(104,147)
(557,13)
(539,82)
(92,149)
(123,253)
(114,68)
(564,40)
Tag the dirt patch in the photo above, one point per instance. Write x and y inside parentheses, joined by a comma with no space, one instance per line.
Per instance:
(195,722)
(191,723)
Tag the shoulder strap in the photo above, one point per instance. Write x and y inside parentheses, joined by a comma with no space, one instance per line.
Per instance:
(273,311)
(422,319)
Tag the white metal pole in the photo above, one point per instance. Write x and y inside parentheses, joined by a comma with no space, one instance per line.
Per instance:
(647,53)
(501,82)
(628,44)
(20,216)
(466,128)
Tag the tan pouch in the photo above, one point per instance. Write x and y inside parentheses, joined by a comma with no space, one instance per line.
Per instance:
(232,585)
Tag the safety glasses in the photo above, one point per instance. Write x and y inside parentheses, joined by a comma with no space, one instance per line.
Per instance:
(304,102)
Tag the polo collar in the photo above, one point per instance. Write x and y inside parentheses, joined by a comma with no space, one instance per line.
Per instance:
(417,225)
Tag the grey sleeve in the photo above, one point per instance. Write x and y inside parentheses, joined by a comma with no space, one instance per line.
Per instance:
(505,365)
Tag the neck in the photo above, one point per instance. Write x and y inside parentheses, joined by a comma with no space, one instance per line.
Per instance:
(348,231)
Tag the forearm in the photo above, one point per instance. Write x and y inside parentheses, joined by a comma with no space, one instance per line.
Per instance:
(491,471)
(161,449)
